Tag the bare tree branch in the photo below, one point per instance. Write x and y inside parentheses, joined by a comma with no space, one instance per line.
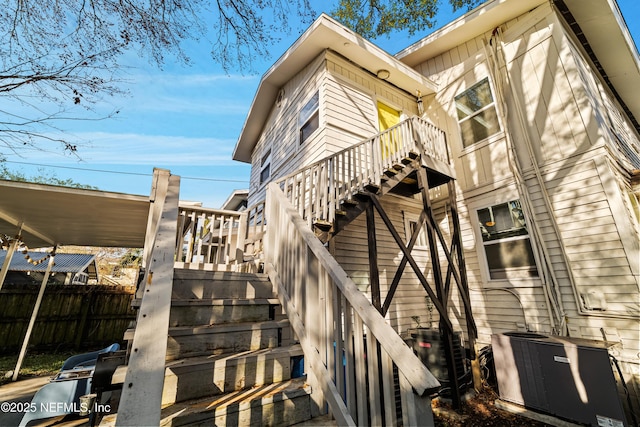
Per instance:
(67,53)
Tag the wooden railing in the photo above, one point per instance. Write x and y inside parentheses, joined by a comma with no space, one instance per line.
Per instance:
(318,189)
(351,351)
(142,394)
(217,239)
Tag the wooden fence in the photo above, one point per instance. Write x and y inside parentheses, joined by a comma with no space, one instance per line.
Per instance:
(71,316)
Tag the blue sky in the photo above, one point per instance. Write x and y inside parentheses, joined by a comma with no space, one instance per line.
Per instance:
(185,119)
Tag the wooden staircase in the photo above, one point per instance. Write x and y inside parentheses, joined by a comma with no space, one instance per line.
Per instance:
(331,192)
(230,354)
(398,179)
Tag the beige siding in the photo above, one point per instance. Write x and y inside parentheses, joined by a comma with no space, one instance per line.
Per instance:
(350,103)
(348,114)
(542,73)
(591,236)
(559,99)
(280,133)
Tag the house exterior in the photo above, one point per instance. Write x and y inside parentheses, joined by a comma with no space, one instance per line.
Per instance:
(540,170)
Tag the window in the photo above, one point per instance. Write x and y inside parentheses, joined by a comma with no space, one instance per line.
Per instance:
(410,224)
(309,118)
(477,114)
(265,165)
(506,241)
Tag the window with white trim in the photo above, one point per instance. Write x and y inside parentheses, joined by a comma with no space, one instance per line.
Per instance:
(477,114)
(410,224)
(506,241)
(309,118)
(265,166)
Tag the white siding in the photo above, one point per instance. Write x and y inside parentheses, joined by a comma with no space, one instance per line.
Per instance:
(556,103)
(348,114)
(280,132)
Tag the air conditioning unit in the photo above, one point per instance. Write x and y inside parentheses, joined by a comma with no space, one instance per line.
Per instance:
(429,347)
(566,377)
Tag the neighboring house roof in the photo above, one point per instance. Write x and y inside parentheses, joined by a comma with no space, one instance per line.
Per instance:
(599,25)
(236,200)
(63,263)
(324,33)
(53,215)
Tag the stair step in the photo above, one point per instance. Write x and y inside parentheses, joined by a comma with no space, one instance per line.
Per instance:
(322,224)
(281,404)
(373,188)
(198,377)
(186,273)
(197,284)
(350,203)
(192,312)
(190,341)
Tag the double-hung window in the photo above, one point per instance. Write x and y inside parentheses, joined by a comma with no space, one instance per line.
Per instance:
(265,166)
(477,115)
(506,241)
(309,118)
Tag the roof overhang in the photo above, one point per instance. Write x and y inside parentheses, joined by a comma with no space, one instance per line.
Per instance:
(52,215)
(600,21)
(608,37)
(235,200)
(324,33)
(478,21)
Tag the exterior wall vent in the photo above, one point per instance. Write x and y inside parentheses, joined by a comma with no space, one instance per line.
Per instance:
(594,300)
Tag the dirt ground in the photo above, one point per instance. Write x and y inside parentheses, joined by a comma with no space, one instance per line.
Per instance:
(479,411)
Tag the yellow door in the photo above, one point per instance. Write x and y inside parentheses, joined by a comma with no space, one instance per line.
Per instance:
(387,118)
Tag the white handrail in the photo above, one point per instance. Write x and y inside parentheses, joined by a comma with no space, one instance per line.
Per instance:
(211,238)
(318,189)
(332,317)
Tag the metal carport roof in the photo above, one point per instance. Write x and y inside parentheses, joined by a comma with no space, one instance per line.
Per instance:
(64,263)
(52,215)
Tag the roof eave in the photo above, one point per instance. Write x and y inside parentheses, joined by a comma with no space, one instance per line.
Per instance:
(600,21)
(325,33)
(472,24)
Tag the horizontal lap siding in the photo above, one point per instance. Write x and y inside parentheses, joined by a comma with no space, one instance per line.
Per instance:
(561,103)
(410,299)
(590,235)
(280,133)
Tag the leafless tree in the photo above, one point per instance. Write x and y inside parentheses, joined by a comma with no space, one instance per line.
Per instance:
(58,57)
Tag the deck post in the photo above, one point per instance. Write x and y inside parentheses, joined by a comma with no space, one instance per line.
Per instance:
(374,274)
(141,399)
(447,333)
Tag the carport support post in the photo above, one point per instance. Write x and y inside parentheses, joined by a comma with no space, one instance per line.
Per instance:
(8,257)
(34,315)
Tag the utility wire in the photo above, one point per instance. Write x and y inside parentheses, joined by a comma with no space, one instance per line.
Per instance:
(123,173)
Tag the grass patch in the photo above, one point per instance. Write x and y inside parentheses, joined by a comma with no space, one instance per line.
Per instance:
(33,365)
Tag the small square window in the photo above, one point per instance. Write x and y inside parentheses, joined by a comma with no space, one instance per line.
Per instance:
(477,114)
